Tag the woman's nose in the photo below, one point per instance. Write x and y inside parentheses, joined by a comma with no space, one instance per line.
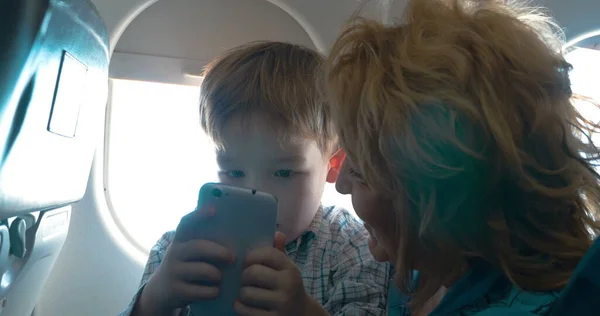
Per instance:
(342,185)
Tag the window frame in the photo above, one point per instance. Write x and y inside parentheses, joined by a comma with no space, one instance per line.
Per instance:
(105,177)
(114,212)
(146,68)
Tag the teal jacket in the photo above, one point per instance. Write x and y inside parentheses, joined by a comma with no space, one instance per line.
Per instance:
(485,291)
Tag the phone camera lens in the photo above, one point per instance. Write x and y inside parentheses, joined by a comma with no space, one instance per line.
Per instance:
(217,193)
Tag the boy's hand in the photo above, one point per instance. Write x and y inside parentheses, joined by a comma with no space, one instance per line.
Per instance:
(187,273)
(271,284)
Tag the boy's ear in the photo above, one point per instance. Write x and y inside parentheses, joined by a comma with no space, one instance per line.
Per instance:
(335,165)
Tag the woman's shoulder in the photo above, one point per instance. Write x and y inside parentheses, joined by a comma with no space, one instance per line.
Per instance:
(577,298)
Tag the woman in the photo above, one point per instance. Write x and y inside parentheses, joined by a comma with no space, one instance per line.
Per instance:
(465,154)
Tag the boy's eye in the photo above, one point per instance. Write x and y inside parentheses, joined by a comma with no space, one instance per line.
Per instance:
(283,173)
(236,174)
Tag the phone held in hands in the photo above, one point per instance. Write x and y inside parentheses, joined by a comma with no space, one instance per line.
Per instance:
(242,220)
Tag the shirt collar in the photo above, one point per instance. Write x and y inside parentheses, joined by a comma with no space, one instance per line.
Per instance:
(310,233)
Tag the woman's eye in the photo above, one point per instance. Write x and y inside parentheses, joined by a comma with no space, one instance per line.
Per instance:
(355,174)
(236,174)
(283,173)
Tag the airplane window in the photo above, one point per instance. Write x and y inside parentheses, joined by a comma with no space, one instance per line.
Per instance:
(158,157)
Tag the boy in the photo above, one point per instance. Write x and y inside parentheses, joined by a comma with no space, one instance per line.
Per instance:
(272,132)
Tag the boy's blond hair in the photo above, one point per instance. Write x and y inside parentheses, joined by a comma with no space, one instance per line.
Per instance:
(273,79)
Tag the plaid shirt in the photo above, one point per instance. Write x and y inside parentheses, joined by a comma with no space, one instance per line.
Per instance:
(333,256)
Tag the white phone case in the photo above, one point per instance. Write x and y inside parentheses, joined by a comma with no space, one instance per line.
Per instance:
(244,219)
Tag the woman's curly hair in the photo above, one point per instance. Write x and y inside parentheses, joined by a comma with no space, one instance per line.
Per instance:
(463,116)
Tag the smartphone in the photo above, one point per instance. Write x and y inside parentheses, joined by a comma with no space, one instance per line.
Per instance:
(243,220)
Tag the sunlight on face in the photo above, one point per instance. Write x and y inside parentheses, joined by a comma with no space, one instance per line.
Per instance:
(293,171)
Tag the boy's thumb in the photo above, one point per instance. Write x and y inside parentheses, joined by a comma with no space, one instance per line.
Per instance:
(279,242)
(191,223)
